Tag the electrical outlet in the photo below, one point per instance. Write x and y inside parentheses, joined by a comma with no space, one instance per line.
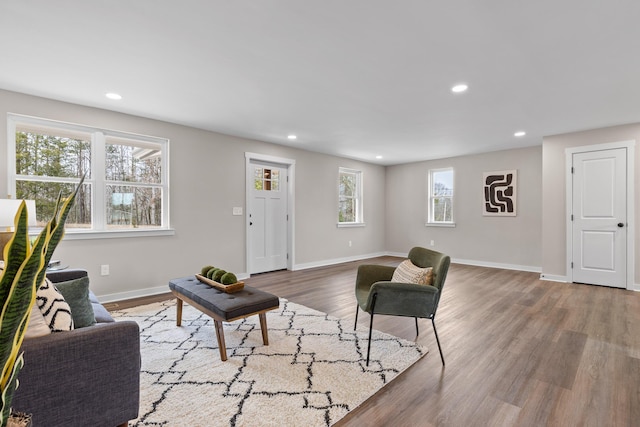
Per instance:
(104,270)
(349,243)
(433,243)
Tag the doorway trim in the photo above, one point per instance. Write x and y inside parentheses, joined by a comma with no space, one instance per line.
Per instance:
(290,165)
(569,152)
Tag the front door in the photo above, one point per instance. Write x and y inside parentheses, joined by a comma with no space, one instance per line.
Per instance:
(599,231)
(267,217)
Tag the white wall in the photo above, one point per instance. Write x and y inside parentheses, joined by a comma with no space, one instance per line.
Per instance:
(554,216)
(509,242)
(207,172)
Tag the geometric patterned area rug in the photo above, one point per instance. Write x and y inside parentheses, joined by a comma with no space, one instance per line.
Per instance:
(312,373)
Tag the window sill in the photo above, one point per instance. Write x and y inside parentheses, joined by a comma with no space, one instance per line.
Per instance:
(440,224)
(350,224)
(115,234)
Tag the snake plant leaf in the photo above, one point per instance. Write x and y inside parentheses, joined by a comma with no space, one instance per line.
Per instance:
(7,393)
(25,269)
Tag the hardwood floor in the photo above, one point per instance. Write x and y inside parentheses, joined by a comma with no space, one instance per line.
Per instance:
(519,351)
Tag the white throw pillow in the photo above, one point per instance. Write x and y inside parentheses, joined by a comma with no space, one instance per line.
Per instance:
(54,308)
(406,272)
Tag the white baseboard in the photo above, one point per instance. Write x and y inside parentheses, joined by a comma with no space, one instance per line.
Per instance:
(398,254)
(564,279)
(147,292)
(553,278)
(517,267)
(121,296)
(333,261)
(482,263)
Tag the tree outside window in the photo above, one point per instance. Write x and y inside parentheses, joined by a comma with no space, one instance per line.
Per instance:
(126,182)
(349,196)
(440,209)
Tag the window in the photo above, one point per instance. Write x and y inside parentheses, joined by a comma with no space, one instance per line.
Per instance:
(440,209)
(266,179)
(125,187)
(350,197)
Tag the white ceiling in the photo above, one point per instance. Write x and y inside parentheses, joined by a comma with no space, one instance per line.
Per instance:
(354,78)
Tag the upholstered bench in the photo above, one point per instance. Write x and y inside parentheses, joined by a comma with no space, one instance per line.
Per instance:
(223,307)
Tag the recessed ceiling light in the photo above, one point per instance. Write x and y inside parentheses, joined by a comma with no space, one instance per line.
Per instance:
(461,87)
(520,133)
(378,157)
(113,95)
(292,137)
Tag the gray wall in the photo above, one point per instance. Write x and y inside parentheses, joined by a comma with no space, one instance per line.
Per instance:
(208,179)
(207,172)
(509,242)
(554,246)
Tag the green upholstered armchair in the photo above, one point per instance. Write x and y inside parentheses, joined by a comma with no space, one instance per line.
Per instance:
(376,294)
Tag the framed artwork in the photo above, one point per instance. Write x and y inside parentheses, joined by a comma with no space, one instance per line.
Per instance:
(500,193)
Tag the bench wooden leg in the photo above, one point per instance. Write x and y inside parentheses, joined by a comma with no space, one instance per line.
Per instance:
(263,328)
(179,313)
(220,338)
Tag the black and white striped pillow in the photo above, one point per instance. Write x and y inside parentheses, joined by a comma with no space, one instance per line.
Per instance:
(54,308)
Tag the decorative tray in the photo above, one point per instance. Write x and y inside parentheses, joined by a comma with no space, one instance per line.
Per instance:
(234,287)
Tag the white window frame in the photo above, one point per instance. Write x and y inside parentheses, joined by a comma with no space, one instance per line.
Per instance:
(430,196)
(97,179)
(358,196)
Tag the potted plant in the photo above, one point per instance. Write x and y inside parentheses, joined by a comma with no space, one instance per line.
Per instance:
(24,271)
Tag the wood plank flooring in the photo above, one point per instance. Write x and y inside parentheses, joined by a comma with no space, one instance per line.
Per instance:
(519,351)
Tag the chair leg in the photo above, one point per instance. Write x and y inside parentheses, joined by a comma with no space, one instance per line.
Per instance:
(373,304)
(355,325)
(417,332)
(433,321)
(369,345)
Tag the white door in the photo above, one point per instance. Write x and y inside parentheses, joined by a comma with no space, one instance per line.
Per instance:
(267,217)
(599,217)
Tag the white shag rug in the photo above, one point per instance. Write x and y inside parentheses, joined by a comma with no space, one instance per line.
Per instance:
(312,373)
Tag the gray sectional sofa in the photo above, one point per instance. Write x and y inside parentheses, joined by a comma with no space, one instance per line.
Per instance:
(88,377)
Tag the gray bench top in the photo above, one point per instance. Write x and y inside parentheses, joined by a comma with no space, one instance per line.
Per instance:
(227,306)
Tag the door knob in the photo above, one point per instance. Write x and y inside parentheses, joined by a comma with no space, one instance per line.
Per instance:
(620,225)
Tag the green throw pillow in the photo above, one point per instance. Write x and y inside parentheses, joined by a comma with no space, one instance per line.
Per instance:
(76,294)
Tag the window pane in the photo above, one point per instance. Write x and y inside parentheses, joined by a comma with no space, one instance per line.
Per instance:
(39,154)
(347,211)
(443,183)
(133,163)
(133,207)
(347,184)
(46,193)
(442,209)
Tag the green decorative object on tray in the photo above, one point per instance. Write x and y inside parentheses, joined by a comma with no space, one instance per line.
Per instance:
(228,279)
(231,288)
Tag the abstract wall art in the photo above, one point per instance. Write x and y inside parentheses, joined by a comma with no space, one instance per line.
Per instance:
(500,193)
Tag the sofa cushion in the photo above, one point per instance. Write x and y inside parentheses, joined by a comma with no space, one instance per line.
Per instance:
(37,327)
(76,294)
(406,272)
(54,308)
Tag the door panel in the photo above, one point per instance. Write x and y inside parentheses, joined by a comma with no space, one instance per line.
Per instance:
(268,217)
(599,217)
